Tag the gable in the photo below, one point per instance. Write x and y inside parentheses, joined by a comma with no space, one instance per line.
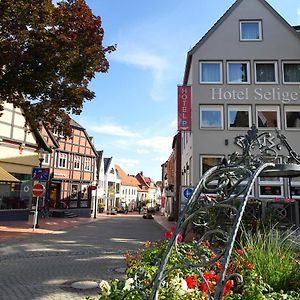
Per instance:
(222,41)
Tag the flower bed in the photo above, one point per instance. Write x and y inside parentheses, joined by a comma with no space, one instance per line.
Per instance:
(268,263)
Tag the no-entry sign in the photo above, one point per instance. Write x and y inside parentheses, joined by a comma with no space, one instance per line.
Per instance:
(38,190)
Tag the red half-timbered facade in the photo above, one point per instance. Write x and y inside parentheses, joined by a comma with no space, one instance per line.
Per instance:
(72,167)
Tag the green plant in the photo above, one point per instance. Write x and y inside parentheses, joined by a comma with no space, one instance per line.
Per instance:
(273,257)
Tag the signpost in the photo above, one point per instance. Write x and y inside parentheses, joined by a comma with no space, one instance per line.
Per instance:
(38,190)
(186,193)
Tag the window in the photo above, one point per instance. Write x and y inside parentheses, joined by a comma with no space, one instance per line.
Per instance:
(250,31)
(271,186)
(267,117)
(208,162)
(211,116)
(46,160)
(238,72)
(266,72)
(292,117)
(77,162)
(62,160)
(87,164)
(239,116)
(291,72)
(211,72)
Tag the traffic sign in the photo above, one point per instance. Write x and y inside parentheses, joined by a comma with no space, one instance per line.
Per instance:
(40,174)
(38,190)
(187,192)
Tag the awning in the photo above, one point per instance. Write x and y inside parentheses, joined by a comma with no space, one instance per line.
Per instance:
(5,176)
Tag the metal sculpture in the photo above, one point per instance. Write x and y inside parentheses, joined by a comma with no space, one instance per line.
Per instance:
(217,218)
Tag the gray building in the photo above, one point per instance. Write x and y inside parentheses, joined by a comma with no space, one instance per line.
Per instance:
(244,71)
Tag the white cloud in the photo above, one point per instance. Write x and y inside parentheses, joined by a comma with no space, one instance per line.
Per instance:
(111,129)
(127,163)
(156,64)
(157,144)
(298,11)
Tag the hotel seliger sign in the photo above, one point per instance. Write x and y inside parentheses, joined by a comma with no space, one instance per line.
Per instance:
(266,94)
(184,108)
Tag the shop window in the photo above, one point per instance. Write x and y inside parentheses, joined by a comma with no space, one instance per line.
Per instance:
(267,117)
(250,30)
(239,116)
(238,72)
(209,161)
(266,72)
(291,72)
(211,72)
(211,116)
(292,117)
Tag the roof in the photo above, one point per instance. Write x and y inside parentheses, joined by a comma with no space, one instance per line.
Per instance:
(219,23)
(125,178)
(107,161)
(7,177)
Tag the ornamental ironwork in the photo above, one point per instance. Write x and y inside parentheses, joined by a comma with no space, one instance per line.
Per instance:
(215,210)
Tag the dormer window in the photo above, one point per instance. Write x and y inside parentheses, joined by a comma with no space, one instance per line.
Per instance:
(250,30)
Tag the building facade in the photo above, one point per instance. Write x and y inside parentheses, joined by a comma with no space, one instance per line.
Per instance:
(72,166)
(20,144)
(244,71)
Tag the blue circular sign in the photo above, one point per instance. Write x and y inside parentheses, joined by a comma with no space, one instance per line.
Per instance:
(188,192)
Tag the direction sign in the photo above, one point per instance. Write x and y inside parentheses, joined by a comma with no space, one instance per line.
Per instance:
(187,192)
(38,190)
(40,174)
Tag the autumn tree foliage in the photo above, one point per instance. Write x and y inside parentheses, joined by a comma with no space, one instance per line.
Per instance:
(48,55)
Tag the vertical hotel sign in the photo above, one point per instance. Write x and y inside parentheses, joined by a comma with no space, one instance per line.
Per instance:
(184,108)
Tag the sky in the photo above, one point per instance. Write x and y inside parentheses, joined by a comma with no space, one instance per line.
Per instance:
(133,116)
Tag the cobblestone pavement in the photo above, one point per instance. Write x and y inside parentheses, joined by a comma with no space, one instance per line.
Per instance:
(43,266)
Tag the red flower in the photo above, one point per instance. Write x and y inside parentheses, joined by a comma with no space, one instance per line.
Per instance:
(249,265)
(240,251)
(218,265)
(228,286)
(203,286)
(191,281)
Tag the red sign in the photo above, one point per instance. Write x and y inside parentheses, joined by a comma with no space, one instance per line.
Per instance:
(93,187)
(38,190)
(184,108)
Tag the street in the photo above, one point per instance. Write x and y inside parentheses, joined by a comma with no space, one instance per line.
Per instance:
(44,266)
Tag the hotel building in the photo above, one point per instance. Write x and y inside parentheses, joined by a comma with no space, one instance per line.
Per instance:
(244,71)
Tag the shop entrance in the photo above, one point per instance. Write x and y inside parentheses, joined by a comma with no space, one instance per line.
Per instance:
(54,194)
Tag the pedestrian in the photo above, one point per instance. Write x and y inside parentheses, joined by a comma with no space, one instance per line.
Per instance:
(126,208)
(139,208)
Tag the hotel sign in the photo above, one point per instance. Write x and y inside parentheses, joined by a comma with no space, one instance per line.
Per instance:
(285,96)
(184,108)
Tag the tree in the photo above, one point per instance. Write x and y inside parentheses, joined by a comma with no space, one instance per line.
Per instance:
(48,55)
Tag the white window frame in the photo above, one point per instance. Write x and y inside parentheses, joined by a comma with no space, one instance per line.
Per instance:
(259,30)
(268,108)
(248,72)
(219,108)
(239,108)
(87,164)
(62,160)
(290,108)
(283,75)
(211,62)
(274,63)
(77,162)
(46,160)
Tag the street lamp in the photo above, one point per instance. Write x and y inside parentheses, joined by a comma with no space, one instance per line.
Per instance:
(41,156)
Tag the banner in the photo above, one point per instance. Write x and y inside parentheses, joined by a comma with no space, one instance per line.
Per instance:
(184,108)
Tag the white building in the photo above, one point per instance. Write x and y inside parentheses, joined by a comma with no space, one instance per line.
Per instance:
(244,71)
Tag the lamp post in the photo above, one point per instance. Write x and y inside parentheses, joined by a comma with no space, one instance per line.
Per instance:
(41,156)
